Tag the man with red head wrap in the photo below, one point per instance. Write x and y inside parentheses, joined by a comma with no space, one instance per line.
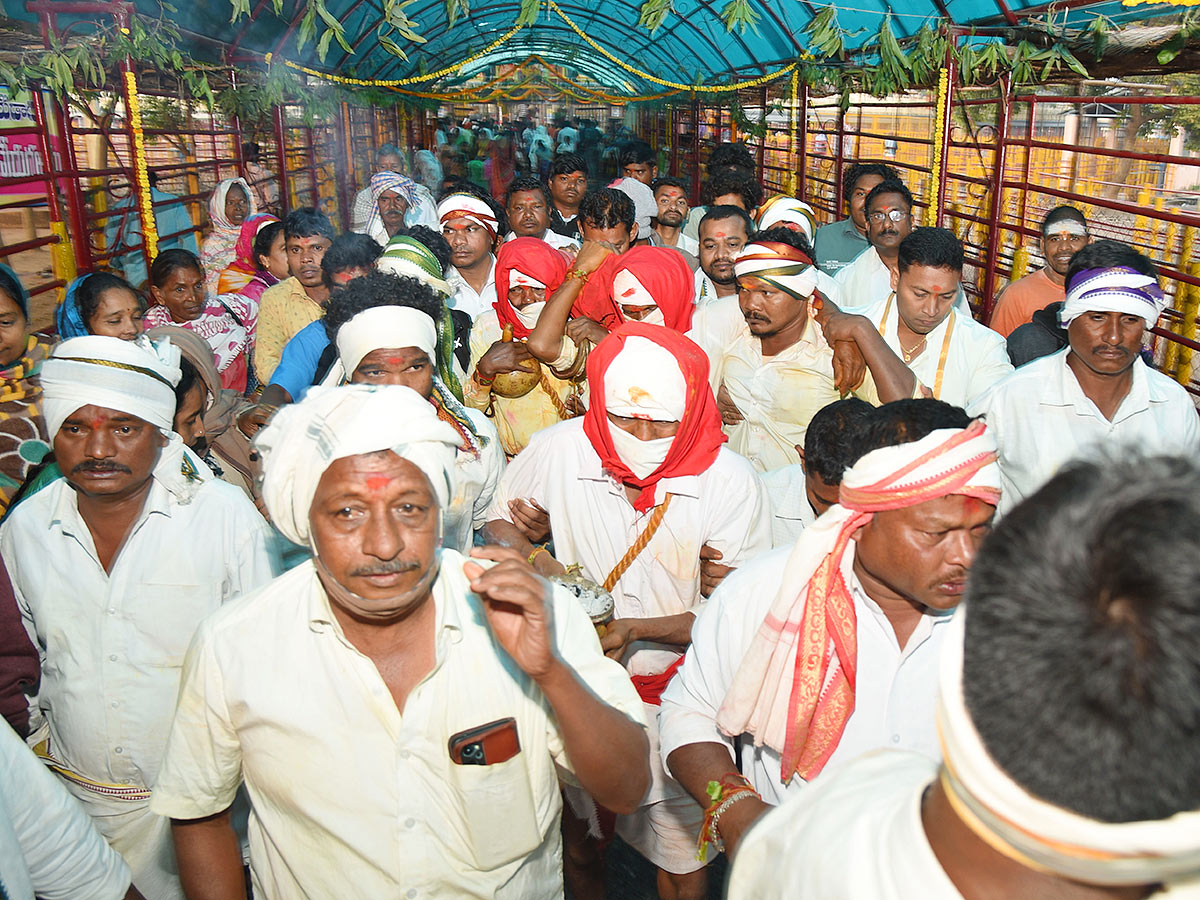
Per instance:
(528,270)
(636,491)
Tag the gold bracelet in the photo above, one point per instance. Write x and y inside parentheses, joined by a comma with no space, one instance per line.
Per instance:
(536,551)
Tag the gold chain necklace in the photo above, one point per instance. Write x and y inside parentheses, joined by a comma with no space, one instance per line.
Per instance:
(916,351)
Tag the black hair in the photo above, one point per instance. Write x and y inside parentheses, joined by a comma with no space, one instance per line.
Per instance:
(379,289)
(669,181)
(937,248)
(92,288)
(832,442)
(905,421)
(636,153)
(307,221)
(265,240)
(566,163)
(890,186)
(733,181)
(608,208)
(1063,214)
(527,183)
(1108,254)
(349,251)
(167,262)
(731,156)
(716,213)
(251,151)
(189,378)
(1082,638)
(781,235)
(855,171)
(432,241)
(10,285)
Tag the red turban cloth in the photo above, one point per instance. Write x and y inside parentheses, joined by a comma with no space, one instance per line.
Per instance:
(661,270)
(699,437)
(529,256)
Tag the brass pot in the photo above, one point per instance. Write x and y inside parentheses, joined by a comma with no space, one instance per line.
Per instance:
(511,385)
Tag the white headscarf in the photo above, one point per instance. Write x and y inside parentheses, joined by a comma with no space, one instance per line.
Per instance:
(466,206)
(645,207)
(784,210)
(331,423)
(780,265)
(134,377)
(377,328)
(1118,289)
(216,206)
(1041,834)
(643,381)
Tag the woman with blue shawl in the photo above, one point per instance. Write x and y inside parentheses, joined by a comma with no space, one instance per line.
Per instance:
(100,303)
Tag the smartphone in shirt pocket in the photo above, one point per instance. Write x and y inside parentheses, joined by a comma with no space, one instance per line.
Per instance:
(494,793)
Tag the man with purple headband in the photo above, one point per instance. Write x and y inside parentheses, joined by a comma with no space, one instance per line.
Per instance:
(1097,391)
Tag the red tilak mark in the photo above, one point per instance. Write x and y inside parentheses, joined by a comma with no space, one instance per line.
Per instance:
(629,293)
(97,424)
(378,482)
(394,360)
(720,234)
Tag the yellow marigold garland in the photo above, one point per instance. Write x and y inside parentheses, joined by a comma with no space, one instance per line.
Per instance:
(145,202)
(932,195)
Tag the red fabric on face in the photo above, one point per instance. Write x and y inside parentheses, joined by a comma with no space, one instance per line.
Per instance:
(661,270)
(244,260)
(535,258)
(699,437)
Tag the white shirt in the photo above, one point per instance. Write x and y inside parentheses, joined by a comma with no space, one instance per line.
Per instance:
(348,795)
(48,845)
(684,242)
(112,645)
(894,698)
(594,524)
(466,298)
(1043,420)
(868,281)
(553,238)
(706,291)
(855,835)
(778,395)
(791,512)
(475,482)
(566,139)
(975,356)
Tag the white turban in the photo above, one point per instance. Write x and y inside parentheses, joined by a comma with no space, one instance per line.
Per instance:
(390,327)
(134,377)
(466,206)
(1050,837)
(784,210)
(780,265)
(804,721)
(1118,289)
(644,381)
(331,423)
(645,207)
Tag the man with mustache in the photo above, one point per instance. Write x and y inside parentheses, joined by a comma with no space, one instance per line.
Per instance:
(1097,391)
(838,244)
(470,226)
(527,203)
(398,712)
(670,196)
(113,567)
(811,655)
(724,231)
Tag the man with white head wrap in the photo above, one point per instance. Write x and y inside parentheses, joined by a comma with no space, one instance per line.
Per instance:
(1096,391)
(774,358)
(396,202)
(441,696)
(470,226)
(113,567)
(1066,728)
(862,599)
(384,331)
(640,491)
(782,211)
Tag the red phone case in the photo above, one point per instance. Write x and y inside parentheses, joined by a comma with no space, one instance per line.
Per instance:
(486,745)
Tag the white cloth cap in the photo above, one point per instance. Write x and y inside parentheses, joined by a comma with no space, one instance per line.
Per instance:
(769,263)
(783,210)
(381,327)
(520,279)
(629,291)
(645,207)
(644,382)
(465,206)
(331,423)
(134,377)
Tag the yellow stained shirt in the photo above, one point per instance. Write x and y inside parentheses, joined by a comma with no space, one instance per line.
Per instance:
(283,310)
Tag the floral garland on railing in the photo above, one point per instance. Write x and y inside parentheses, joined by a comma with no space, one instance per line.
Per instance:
(145,201)
(933,195)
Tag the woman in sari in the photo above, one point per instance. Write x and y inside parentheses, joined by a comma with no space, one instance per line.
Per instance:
(231,203)
(245,265)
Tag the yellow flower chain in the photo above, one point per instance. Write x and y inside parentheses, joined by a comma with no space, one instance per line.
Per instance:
(145,202)
(939,138)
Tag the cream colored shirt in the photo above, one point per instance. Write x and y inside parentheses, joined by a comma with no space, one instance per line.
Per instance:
(960,360)
(349,795)
(475,480)
(777,395)
(112,644)
(518,419)
(282,311)
(474,303)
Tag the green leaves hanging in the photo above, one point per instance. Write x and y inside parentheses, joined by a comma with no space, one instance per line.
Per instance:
(653,13)
(396,21)
(740,14)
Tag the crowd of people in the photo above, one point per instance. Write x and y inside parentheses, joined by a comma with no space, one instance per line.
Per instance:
(430,557)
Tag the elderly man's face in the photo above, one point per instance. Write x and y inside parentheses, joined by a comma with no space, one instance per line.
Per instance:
(374,522)
(408,367)
(392,207)
(922,553)
(388,162)
(107,453)
(528,214)
(889,221)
